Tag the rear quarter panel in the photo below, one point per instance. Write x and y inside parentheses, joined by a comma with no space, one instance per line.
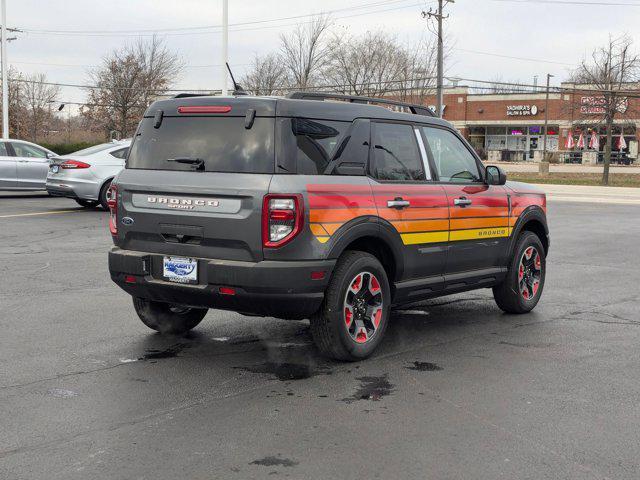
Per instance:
(333,206)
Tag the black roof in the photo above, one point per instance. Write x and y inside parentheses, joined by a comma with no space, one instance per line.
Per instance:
(291,107)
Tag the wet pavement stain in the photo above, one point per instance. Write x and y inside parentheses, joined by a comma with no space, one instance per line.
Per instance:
(274,461)
(371,388)
(424,367)
(170,352)
(288,371)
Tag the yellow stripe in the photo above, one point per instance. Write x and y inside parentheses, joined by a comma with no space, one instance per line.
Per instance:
(478,233)
(322,239)
(52,212)
(425,237)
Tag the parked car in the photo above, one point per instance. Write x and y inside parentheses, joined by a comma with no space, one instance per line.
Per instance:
(86,175)
(23,165)
(304,208)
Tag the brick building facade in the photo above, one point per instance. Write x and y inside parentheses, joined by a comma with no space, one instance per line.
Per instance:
(510,126)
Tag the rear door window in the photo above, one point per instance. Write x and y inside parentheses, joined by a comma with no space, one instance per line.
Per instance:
(29,151)
(396,156)
(222,143)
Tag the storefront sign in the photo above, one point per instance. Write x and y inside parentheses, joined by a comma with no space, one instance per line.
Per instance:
(597,105)
(522,110)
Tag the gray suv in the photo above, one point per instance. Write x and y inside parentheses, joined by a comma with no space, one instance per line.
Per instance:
(318,206)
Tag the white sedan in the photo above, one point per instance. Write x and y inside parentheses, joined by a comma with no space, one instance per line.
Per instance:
(86,175)
(23,165)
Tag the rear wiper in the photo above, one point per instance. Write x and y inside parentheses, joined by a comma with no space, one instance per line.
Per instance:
(197,163)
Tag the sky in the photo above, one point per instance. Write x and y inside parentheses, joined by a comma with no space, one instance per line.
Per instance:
(549,36)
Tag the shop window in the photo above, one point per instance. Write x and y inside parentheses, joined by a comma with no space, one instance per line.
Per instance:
(496,130)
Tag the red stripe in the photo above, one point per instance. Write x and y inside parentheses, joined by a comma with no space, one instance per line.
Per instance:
(340,201)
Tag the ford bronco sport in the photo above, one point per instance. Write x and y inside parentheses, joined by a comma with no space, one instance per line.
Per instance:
(303,207)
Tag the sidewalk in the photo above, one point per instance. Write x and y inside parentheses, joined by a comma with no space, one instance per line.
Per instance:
(563,168)
(591,194)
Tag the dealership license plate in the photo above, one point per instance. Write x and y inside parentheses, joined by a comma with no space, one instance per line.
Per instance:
(180,269)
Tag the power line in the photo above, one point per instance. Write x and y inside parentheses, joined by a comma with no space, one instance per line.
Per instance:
(213,29)
(477,52)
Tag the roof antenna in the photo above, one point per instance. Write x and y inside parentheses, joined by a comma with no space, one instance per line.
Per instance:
(237,89)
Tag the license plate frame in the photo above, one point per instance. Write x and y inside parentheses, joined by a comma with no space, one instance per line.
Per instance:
(182,270)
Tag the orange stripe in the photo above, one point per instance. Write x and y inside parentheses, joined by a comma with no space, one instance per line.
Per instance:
(421,226)
(479,212)
(330,215)
(459,224)
(332,227)
(317,229)
(415,214)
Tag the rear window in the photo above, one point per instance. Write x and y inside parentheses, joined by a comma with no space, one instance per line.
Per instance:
(94,149)
(223,144)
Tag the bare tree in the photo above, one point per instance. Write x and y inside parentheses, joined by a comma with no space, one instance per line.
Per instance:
(611,69)
(266,75)
(127,82)
(37,96)
(369,65)
(305,52)
(418,75)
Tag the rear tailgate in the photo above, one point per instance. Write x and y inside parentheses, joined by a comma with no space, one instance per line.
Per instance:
(195,179)
(189,214)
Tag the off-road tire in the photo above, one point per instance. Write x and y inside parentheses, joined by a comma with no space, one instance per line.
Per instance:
(167,318)
(328,328)
(508,295)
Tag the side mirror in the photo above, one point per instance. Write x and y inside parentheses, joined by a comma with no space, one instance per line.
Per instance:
(50,155)
(495,175)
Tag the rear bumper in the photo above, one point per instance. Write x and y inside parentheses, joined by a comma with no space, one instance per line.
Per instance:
(66,187)
(270,288)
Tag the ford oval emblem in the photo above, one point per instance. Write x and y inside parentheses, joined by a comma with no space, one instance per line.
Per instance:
(127,221)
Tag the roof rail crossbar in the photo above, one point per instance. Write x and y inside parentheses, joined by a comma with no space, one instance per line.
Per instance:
(413,108)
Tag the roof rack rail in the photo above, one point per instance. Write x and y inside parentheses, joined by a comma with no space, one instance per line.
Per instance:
(413,108)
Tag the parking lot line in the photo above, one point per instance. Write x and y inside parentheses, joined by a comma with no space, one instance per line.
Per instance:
(53,212)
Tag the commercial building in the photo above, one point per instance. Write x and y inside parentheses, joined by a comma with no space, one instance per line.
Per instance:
(510,126)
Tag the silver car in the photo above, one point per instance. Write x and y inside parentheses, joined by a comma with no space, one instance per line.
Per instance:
(86,174)
(23,165)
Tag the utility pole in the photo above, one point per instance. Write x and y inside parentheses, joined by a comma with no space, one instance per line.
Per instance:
(225,45)
(546,119)
(5,79)
(439,86)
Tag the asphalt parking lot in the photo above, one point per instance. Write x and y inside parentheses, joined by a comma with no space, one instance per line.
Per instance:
(458,390)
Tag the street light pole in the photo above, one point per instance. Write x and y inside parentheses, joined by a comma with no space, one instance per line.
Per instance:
(5,80)
(546,119)
(225,45)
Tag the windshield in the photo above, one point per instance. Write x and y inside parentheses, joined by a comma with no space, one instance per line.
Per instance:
(211,144)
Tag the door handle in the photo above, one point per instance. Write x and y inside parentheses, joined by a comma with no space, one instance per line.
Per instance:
(462,202)
(398,203)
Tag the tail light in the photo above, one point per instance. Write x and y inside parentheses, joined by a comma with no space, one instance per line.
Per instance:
(282,219)
(73,164)
(112,202)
